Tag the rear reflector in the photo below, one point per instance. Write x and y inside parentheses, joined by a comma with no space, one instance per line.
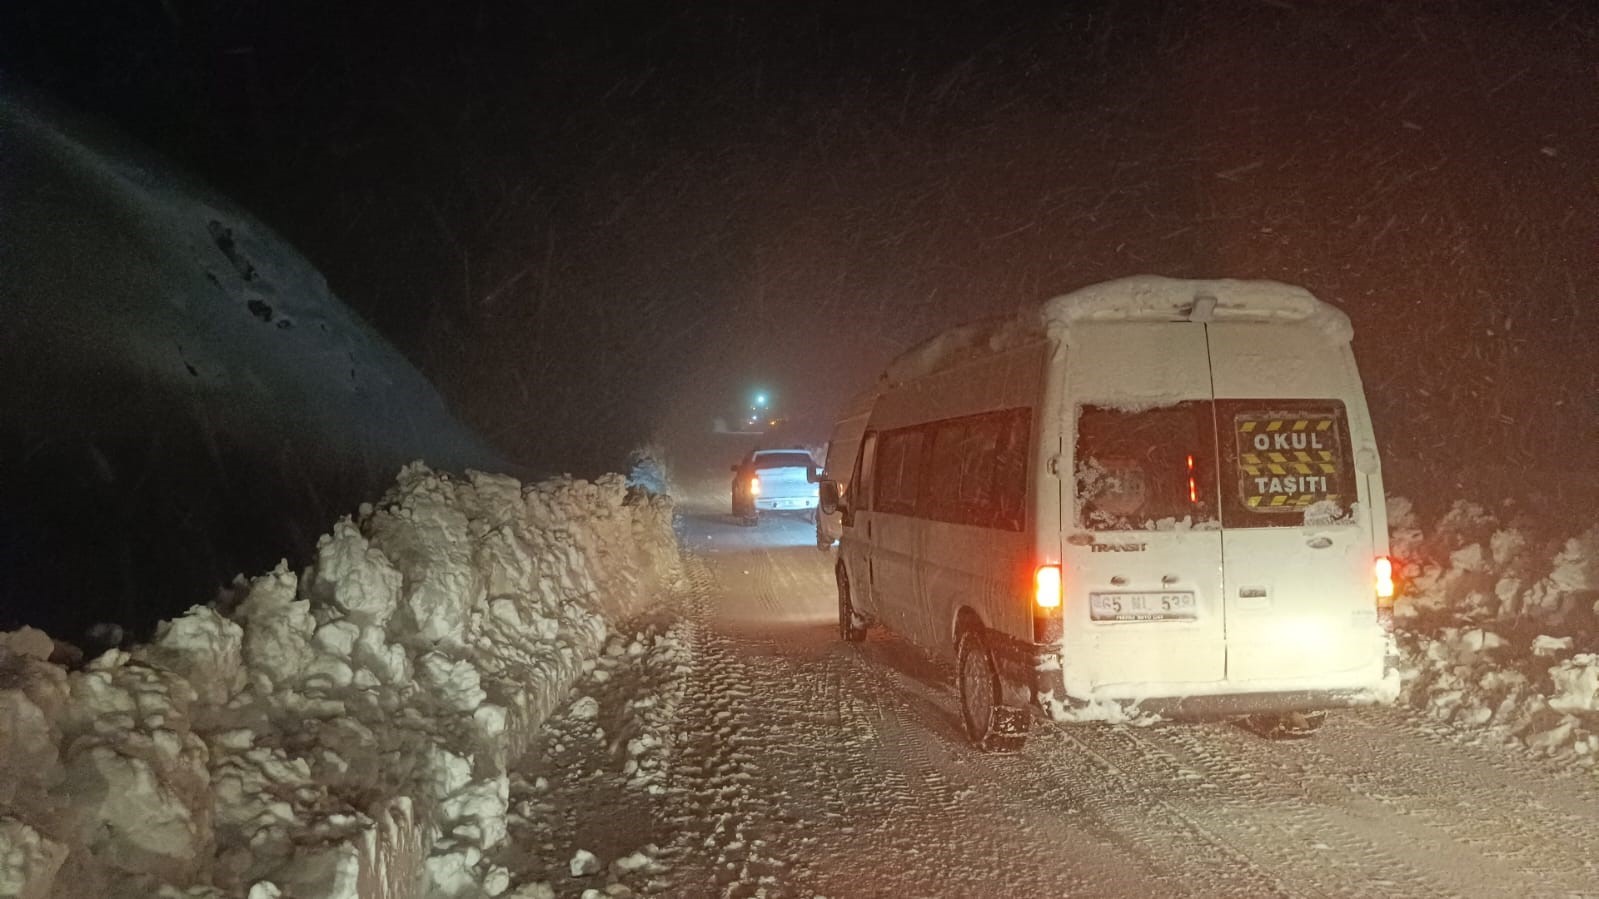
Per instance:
(1046,587)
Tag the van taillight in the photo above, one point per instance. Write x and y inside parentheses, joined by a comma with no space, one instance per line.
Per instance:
(1383,572)
(755,486)
(1046,587)
(1046,604)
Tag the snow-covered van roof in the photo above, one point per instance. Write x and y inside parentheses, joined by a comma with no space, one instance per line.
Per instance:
(1155,298)
(1135,298)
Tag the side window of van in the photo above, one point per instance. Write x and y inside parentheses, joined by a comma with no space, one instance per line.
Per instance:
(1010,471)
(974,470)
(899,457)
(948,459)
(860,482)
(1146,469)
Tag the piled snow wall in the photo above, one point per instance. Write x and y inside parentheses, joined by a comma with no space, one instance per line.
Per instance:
(340,732)
(1498,626)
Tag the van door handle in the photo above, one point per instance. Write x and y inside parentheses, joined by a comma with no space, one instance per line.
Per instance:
(1118,581)
(1168,580)
(1319,542)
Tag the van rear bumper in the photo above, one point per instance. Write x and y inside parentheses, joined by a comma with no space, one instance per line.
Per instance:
(1233,705)
(1037,668)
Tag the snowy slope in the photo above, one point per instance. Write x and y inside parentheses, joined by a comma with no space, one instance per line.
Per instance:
(185,398)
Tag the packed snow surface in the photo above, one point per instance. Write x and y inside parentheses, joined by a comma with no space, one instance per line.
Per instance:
(343,731)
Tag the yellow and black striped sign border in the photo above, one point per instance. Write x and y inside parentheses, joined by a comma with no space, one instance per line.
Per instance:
(1268,503)
(1285,424)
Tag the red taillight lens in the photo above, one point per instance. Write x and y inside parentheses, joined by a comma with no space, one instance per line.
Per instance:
(755,486)
(1047,604)
(1383,579)
(1384,571)
(1046,587)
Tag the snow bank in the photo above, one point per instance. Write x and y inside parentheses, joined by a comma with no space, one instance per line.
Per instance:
(340,732)
(1499,627)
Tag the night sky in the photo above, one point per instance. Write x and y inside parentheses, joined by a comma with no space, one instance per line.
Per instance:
(594,223)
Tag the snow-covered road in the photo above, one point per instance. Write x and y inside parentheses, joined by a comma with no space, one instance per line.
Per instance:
(731,744)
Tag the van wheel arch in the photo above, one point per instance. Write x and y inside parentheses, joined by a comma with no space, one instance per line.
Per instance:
(966,619)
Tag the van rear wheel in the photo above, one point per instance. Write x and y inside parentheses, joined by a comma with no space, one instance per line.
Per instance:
(849,627)
(990,724)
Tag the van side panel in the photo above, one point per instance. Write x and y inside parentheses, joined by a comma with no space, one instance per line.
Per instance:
(945,566)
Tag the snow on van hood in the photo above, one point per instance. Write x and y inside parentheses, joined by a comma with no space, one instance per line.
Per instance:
(343,732)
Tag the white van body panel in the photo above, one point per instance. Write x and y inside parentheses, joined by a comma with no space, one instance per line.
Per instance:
(923,572)
(1139,364)
(1273,612)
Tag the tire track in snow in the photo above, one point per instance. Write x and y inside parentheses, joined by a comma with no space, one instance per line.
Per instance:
(1319,830)
(934,817)
(1527,828)
(1177,851)
(1305,846)
(726,843)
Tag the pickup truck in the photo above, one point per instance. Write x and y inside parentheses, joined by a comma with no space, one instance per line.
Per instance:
(774,480)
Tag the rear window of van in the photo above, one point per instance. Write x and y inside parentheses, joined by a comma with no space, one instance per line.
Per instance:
(1231,463)
(1146,469)
(764,461)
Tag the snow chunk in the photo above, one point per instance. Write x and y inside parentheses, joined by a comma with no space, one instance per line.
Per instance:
(354,576)
(28,641)
(203,647)
(28,861)
(1576,683)
(585,708)
(1545,645)
(584,863)
(134,819)
(277,627)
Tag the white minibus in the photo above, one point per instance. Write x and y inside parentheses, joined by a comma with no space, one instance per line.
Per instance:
(1151,494)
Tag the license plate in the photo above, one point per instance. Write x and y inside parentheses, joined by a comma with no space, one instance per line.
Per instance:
(1170,606)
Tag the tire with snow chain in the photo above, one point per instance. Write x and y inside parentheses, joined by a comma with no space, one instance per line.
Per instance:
(1287,726)
(849,627)
(989,723)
